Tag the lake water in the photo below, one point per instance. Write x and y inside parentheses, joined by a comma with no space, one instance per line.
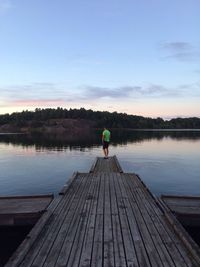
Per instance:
(167,161)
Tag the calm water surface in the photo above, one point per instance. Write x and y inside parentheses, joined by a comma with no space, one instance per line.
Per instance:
(167,161)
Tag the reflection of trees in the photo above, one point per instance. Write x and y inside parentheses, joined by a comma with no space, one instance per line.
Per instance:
(124,137)
(86,139)
(52,141)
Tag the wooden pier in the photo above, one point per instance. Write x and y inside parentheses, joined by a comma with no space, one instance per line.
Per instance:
(186,208)
(107,218)
(23,210)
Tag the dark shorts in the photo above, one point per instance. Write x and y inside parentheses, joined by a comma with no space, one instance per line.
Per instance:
(105,144)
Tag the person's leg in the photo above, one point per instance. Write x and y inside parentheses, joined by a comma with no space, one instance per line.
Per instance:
(106,152)
(104,149)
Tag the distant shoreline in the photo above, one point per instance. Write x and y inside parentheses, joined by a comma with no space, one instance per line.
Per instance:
(77,120)
(32,131)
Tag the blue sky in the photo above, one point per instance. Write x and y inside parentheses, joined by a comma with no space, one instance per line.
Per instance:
(139,57)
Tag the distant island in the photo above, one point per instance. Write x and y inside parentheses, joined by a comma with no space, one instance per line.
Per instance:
(62,120)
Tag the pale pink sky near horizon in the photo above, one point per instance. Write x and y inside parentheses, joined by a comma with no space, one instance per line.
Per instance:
(145,108)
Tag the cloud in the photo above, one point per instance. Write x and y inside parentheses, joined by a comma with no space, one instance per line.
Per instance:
(5,5)
(36,102)
(181,51)
(94,92)
(53,95)
(34,94)
(193,89)
(177,46)
(29,91)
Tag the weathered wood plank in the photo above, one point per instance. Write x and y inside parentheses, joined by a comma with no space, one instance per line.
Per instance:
(152,246)
(93,167)
(118,166)
(119,249)
(65,233)
(128,228)
(45,241)
(108,231)
(78,241)
(174,244)
(87,247)
(106,218)
(23,210)
(68,184)
(188,248)
(155,226)
(110,164)
(97,252)
(183,204)
(24,204)
(22,251)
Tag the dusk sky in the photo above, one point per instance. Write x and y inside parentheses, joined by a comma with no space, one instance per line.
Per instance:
(140,57)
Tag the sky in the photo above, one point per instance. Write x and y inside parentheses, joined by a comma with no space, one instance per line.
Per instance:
(139,57)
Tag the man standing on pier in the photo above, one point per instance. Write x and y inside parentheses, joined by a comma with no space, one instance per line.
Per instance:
(105,141)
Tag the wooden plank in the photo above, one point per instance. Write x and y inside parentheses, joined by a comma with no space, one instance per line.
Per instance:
(46,239)
(183,205)
(108,231)
(153,249)
(184,210)
(78,240)
(23,249)
(68,184)
(187,243)
(97,165)
(27,197)
(181,197)
(97,252)
(107,165)
(22,205)
(23,210)
(193,248)
(106,219)
(129,229)
(182,202)
(20,219)
(118,166)
(173,243)
(64,232)
(119,249)
(86,253)
(166,248)
(93,167)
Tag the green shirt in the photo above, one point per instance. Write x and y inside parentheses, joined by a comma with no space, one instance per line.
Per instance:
(106,135)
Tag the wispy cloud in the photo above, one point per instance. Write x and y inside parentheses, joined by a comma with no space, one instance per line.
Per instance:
(181,51)
(36,102)
(177,46)
(193,88)
(52,95)
(5,5)
(30,91)
(34,94)
(94,92)
(103,92)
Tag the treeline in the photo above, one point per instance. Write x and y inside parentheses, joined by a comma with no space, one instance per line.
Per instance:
(100,118)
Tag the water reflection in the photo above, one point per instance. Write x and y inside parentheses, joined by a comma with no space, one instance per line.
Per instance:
(84,139)
(167,161)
